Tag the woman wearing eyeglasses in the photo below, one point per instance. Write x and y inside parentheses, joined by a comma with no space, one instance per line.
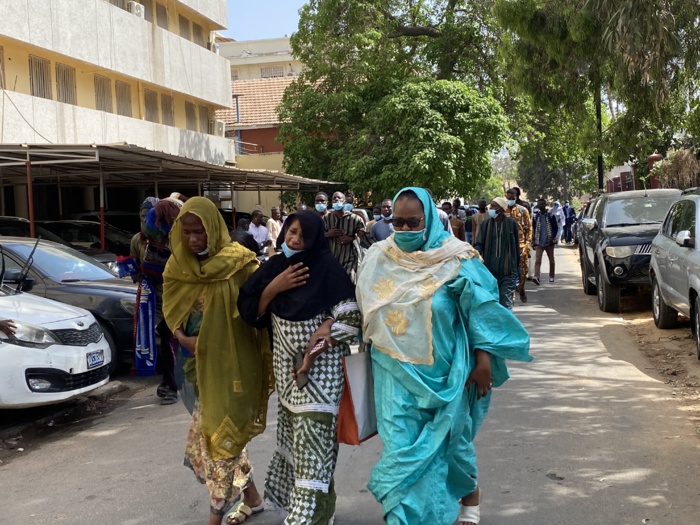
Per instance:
(438,339)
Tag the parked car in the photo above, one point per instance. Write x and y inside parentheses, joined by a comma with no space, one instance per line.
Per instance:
(615,242)
(85,235)
(65,275)
(19,227)
(128,221)
(227,214)
(675,267)
(57,353)
(577,222)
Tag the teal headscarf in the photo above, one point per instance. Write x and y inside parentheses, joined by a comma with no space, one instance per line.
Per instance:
(434,231)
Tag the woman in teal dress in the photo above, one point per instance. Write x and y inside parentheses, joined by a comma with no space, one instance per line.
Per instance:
(439,339)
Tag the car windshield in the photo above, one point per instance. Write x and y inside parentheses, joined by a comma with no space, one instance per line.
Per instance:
(62,264)
(641,210)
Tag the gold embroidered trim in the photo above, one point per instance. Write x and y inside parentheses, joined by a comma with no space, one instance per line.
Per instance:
(429,287)
(223,441)
(396,321)
(384,288)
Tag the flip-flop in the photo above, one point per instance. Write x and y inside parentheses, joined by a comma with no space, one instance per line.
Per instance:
(242,512)
(170,398)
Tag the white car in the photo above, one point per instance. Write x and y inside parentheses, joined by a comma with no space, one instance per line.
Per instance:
(58,352)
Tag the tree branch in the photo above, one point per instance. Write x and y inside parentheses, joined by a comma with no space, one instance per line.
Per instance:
(416,31)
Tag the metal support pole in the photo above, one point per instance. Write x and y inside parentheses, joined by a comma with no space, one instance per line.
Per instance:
(60,200)
(30,197)
(2,194)
(102,210)
(155,187)
(199,189)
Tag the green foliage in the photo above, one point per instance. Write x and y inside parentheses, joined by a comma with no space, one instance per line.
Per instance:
(389,96)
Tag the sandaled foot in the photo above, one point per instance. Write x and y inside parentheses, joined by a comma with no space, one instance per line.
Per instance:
(169,398)
(469,515)
(242,512)
(162,390)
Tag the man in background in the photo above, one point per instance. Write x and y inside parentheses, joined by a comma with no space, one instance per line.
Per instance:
(274,227)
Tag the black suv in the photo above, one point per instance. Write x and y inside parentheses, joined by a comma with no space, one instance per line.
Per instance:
(615,242)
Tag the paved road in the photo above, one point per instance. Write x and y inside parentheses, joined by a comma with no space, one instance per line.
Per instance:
(579,436)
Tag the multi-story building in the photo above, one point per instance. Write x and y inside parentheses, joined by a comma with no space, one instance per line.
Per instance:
(144,73)
(261,70)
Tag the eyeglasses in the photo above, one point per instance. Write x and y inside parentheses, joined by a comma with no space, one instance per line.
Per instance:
(411,223)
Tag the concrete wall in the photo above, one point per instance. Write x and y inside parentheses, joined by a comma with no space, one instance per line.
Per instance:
(67,124)
(111,39)
(213,10)
(248,200)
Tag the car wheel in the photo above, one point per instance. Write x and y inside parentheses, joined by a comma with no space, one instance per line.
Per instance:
(115,363)
(588,287)
(608,295)
(664,315)
(696,321)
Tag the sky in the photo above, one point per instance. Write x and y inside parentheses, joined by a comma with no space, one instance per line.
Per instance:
(256,19)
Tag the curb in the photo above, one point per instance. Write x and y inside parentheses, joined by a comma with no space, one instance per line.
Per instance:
(110,389)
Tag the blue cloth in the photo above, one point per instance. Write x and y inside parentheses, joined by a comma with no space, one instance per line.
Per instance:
(425,417)
(434,230)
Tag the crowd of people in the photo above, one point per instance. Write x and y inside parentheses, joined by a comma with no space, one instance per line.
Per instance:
(427,290)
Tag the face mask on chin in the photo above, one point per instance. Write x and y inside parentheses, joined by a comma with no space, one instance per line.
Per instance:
(338,206)
(288,252)
(493,214)
(321,207)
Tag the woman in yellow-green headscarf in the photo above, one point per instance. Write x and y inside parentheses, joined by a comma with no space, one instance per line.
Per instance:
(225,362)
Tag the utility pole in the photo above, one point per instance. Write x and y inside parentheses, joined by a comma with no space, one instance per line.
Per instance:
(599,125)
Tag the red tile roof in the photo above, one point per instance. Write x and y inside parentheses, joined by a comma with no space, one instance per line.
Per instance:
(257,101)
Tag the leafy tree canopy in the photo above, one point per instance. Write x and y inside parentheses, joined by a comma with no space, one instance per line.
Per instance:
(394,93)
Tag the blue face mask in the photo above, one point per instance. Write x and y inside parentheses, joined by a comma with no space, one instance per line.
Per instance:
(288,252)
(511,202)
(377,217)
(493,214)
(387,217)
(410,241)
(348,206)
(321,207)
(337,206)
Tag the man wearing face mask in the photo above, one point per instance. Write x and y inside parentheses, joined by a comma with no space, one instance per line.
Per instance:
(479,217)
(498,243)
(455,222)
(342,229)
(546,230)
(321,204)
(522,217)
(383,228)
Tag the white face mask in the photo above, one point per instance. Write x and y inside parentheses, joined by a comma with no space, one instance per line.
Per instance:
(205,252)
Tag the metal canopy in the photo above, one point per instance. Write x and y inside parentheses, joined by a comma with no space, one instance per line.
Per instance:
(128,165)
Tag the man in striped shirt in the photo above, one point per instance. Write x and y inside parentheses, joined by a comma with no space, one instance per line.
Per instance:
(342,228)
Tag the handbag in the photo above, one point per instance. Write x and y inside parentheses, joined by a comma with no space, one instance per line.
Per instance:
(357,416)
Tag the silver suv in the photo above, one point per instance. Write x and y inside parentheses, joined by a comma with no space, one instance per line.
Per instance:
(675,267)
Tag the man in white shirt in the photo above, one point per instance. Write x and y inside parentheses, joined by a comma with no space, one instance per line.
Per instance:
(274,227)
(258,231)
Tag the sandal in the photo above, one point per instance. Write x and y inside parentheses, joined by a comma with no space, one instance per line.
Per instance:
(469,514)
(242,512)
(162,390)
(170,397)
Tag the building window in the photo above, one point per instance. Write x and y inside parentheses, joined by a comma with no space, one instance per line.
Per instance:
(40,77)
(123,90)
(121,4)
(2,68)
(151,103)
(203,119)
(272,72)
(103,94)
(191,116)
(166,110)
(148,10)
(162,15)
(65,84)
(234,74)
(198,34)
(185,28)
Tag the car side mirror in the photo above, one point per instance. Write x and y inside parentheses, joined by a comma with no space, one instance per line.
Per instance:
(684,239)
(12,276)
(589,223)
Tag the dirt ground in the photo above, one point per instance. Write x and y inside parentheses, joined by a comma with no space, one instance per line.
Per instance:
(671,353)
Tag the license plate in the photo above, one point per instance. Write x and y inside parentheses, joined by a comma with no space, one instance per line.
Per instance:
(96,358)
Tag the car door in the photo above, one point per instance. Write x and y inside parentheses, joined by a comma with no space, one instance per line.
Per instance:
(673,252)
(13,265)
(661,245)
(588,235)
(679,259)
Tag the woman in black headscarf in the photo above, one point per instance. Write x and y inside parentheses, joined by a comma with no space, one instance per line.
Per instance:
(308,300)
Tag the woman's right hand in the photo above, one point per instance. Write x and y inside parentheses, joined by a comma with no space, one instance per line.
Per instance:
(189,342)
(293,277)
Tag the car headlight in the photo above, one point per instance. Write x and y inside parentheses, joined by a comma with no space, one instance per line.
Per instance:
(620,252)
(31,336)
(129,305)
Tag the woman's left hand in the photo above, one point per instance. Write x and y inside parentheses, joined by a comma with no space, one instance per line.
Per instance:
(481,374)
(322,332)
